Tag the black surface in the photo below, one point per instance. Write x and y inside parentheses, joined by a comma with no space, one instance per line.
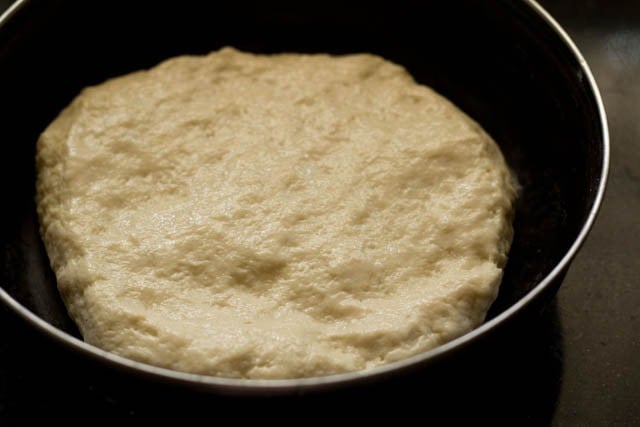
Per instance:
(572,365)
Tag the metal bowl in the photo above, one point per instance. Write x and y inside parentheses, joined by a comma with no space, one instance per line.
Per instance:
(507,64)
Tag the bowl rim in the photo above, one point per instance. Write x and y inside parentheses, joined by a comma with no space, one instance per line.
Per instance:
(287,386)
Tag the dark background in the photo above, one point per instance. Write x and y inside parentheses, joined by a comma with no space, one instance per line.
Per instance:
(576,364)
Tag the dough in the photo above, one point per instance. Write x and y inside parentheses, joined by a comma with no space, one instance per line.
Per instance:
(272,216)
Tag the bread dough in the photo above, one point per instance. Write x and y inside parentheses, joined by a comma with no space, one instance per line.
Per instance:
(272,216)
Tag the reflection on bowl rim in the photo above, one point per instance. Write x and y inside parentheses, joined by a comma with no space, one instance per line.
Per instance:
(288,386)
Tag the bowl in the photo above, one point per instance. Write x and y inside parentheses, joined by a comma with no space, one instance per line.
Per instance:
(509,65)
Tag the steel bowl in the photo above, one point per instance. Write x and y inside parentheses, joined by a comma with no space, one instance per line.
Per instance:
(508,64)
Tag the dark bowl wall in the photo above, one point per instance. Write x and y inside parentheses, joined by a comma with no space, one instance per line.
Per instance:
(497,60)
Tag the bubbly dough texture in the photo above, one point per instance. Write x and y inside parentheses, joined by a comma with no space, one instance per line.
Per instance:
(272,216)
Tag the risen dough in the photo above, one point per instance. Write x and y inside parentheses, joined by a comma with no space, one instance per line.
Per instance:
(272,216)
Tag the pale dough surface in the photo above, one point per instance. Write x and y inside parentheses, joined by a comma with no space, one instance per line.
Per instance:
(273,216)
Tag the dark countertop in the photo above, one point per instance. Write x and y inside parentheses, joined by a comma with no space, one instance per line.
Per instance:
(576,364)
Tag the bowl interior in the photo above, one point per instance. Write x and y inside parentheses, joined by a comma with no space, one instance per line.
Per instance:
(499,61)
